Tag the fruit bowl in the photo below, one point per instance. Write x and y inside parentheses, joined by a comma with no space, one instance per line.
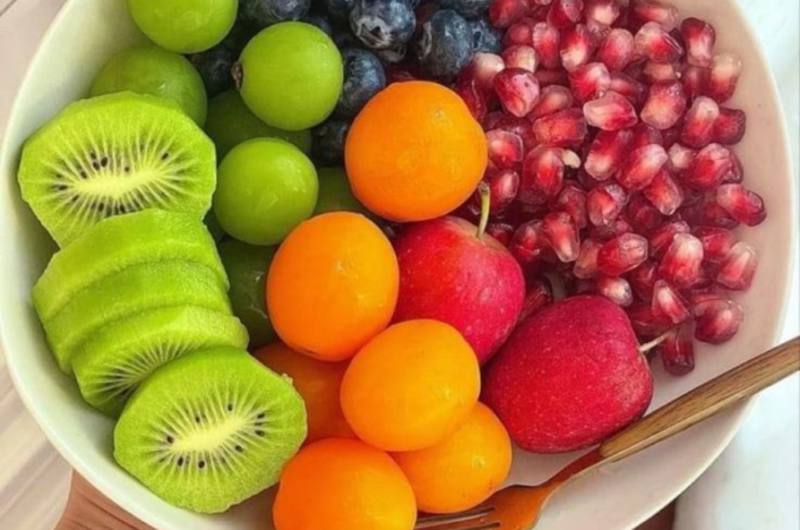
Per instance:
(88,32)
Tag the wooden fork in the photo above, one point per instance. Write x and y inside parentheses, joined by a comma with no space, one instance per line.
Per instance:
(519,507)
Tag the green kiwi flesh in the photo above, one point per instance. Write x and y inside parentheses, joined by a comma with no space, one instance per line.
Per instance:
(131,291)
(112,155)
(117,243)
(114,361)
(210,430)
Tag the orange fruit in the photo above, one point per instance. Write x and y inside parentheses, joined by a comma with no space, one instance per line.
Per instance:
(332,286)
(415,152)
(339,484)
(465,469)
(318,383)
(411,386)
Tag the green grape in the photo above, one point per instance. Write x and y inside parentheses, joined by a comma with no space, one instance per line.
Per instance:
(184,26)
(247,267)
(266,187)
(292,75)
(335,194)
(231,123)
(151,70)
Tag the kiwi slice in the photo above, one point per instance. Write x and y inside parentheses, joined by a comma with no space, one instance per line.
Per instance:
(114,361)
(112,155)
(120,242)
(210,430)
(136,289)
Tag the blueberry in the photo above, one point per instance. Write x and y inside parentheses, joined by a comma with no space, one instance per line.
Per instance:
(329,138)
(485,38)
(239,36)
(319,20)
(383,24)
(392,55)
(467,8)
(215,67)
(446,45)
(339,10)
(344,39)
(263,13)
(363,78)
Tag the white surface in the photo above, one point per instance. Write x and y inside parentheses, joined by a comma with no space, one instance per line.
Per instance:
(22,24)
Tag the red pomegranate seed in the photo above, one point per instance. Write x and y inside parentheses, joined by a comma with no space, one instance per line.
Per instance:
(739,267)
(520,32)
(551,100)
(712,214)
(668,304)
(677,351)
(671,136)
(717,242)
(643,278)
(519,126)
(617,50)
(737,173)
(698,125)
(710,168)
(564,13)
(615,228)
(602,12)
(540,294)
(503,13)
(605,203)
(611,112)
(618,290)
(528,243)
(504,186)
(643,215)
(657,44)
(589,81)
(646,324)
(658,72)
(562,234)
(695,81)
(577,46)
(654,11)
(572,200)
(520,56)
(699,37)
(484,67)
(723,77)
(681,157)
(718,321)
(564,128)
(645,134)
(586,264)
(697,297)
(664,193)
(607,152)
(641,167)
(547,43)
(661,238)
(681,265)
(470,91)
(632,89)
(552,77)
(501,232)
(744,205)
(543,173)
(622,254)
(665,105)
(505,148)
(518,90)
(730,126)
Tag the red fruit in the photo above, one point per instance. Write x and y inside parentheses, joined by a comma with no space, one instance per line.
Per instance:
(737,174)
(589,81)
(695,81)
(677,351)
(632,89)
(668,304)
(664,193)
(583,350)
(520,56)
(654,11)
(698,126)
(681,158)
(540,295)
(744,205)
(718,321)
(645,134)
(710,168)
(503,13)
(655,43)
(572,200)
(543,173)
(615,228)
(618,290)
(470,91)
(577,46)
(723,77)
(659,72)
(699,37)
(647,325)
(551,100)
(622,254)
(730,126)
(642,214)
(503,187)
(617,50)
(717,242)
(552,77)
(607,152)
(739,267)
(520,32)
(501,232)
(563,129)
(564,13)
(643,278)
(712,214)
(518,90)
(506,150)
(547,43)
(661,238)
(586,264)
(529,243)
(605,203)
(682,263)
(519,126)
(602,12)
(611,112)
(641,167)
(561,232)
(665,105)
(483,68)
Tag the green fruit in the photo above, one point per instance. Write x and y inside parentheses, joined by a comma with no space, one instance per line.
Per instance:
(266,188)
(127,293)
(335,194)
(210,430)
(151,70)
(115,360)
(152,236)
(112,155)
(231,123)
(247,267)
(184,26)
(292,75)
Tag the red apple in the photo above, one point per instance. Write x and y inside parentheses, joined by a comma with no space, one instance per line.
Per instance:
(569,377)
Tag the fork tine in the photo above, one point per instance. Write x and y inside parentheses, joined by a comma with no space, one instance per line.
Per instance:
(443,518)
(475,519)
(481,524)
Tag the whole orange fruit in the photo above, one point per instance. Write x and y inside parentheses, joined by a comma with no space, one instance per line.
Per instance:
(415,152)
(465,469)
(332,286)
(411,386)
(339,484)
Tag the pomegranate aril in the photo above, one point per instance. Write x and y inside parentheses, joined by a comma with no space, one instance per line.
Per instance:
(737,172)
(470,91)
(611,112)
(552,77)
(547,43)
(656,44)
(564,128)
(503,186)
(744,205)
(671,136)
(590,81)
(712,214)
(602,12)
(710,168)
(661,238)
(506,149)
(484,67)
(723,77)
(502,232)
(572,200)
(539,295)
(730,126)
(518,90)
(664,193)
(528,243)
(503,13)
(654,11)
(577,46)
(520,32)
(665,105)
(561,232)
(551,100)
(633,90)
(605,203)
(718,321)
(543,173)
(668,303)
(677,351)
(695,80)
(586,264)
(564,13)
(681,157)
(642,214)
(641,167)
(739,267)
(622,254)
(507,122)
(618,290)
(647,324)
(520,56)
(606,153)
(698,125)
(645,134)
(682,263)
(699,38)
(643,278)
(660,72)
(717,242)
(697,297)
(617,50)
(615,228)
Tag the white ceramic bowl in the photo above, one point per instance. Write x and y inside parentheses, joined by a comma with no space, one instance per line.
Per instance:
(88,32)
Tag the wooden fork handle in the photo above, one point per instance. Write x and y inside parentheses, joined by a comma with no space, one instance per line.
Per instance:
(705,401)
